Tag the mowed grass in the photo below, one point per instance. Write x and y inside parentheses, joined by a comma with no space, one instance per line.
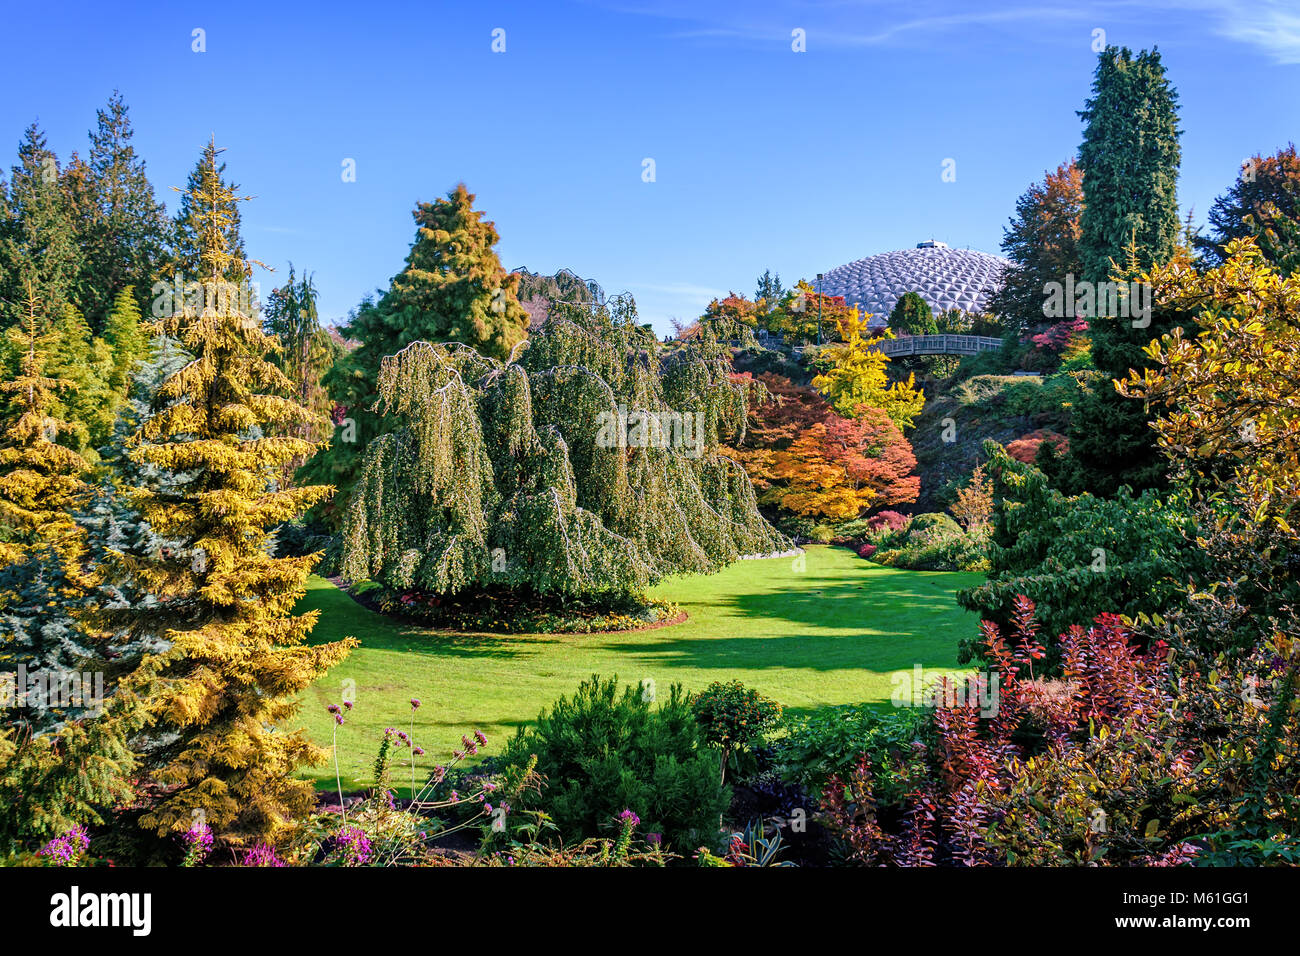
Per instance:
(831,633)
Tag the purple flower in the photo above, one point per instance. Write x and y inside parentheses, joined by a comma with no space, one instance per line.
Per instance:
(67,849)
(199,840)
(480,737)
(347,704)
(355,846)
(261,855)
(654,838)
(630,818)
(418,751)
(415,703)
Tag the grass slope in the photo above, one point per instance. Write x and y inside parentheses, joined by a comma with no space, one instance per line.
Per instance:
(829,634)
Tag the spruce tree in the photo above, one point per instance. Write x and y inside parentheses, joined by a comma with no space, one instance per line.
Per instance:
(37,247)
(184,261)
(235,659)
(123,229)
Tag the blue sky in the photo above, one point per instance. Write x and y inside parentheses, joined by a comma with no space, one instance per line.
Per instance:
(764,157)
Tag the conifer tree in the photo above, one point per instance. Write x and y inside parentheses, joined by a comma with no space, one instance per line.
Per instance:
(236,659)
(127,340)
(86,362)
(307,351)
(123,229)
(1042,242)
(912,315)
(453,289)
(1263,203)
(857,377)
(188,239)
(37,248)
(39,479)
(1129,158)
(559,472)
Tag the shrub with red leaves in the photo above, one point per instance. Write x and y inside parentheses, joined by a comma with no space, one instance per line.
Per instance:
(1099,741)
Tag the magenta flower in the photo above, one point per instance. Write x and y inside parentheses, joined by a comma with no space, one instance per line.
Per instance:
(415,703)
(66,850)
(355,846)
(628,817)
(261,855)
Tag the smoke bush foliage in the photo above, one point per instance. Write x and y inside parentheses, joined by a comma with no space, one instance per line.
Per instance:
(496,477)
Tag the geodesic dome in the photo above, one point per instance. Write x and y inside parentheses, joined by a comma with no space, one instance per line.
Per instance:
(946,278)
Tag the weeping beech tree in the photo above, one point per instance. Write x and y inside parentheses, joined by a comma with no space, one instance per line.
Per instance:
(586,464)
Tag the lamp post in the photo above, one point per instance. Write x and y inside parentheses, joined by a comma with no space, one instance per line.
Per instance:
(819,308)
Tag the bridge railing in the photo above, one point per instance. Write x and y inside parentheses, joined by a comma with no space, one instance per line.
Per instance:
(943,344)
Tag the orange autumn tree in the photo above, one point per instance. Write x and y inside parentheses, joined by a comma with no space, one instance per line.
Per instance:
(806,459)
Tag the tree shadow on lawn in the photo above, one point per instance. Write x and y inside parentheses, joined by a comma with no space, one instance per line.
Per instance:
(836,603)
(879,651)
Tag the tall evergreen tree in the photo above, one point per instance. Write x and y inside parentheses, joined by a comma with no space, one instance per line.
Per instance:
(1129,159)
(307,350)
(236,660)
(188,238)
(37,246)
(453,289)
(123,230)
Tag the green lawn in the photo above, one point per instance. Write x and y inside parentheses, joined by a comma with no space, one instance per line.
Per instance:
(831,633)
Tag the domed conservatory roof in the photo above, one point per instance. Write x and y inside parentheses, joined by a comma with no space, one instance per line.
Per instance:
(946,278)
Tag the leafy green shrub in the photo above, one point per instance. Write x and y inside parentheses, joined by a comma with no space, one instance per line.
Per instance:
(822,534)
(830,741)
(602,752)
(733,717)
(1077,557)
(931,542)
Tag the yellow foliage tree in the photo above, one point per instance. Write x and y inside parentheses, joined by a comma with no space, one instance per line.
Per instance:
(39,478)
(858,376)
(235,661)
(1230,396)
